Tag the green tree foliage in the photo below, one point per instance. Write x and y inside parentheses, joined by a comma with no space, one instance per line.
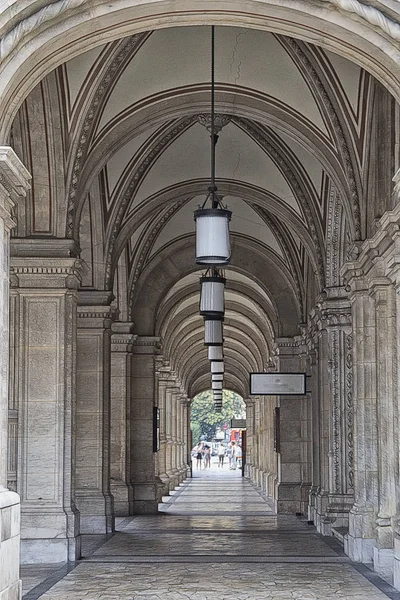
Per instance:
(204,421)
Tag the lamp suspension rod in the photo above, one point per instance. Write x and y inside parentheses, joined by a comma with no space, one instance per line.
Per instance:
(214,138)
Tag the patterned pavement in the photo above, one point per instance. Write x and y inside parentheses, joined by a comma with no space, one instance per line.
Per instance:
(215,538)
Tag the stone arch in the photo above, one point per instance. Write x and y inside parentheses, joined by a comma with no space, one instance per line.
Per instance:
(361,33)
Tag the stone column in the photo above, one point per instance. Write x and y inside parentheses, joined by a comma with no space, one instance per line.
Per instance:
(163,375)
(291,491)
(168,432)
(361,538)
(185,440)
(249,437)
(383,293)
(93,496)
(174,433)
(121,371)
(143,477)
(337,479)
(315,462)
(14,181)
(43,318)
(324,400)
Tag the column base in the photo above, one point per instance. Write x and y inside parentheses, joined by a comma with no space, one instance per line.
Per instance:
(49,534)
(50,550)
(96,511)
(312,500)
(288,498)
(396,564)
(145,499)
(332,511)
(361,537)
(361,549)
(384,562)
(10,584)
(12,592)
(122,495)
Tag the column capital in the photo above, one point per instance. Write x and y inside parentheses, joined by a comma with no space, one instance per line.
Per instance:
(44,247)
(40,272)
(14,183)
(147,344)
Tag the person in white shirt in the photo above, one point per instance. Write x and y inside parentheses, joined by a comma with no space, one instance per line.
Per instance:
(221,454)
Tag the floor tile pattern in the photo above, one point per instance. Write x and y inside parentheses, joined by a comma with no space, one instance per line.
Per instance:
(215,539)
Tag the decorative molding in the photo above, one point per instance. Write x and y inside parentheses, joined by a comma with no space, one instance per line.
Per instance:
(349,413)
(94,312)
(332,238)
(16,34)
(147,245)
(370,14)
(221,120)
(133,43)
(36,272)
(26,26)
(277,155)
(336,412)
(169,136)
(347,161)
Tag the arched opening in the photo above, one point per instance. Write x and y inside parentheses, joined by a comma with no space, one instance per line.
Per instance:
(112,126)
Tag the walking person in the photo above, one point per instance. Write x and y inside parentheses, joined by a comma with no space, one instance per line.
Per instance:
(207,457)
(221,454)
(234,457)
(199,456)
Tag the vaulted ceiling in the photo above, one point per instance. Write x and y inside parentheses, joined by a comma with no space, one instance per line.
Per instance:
(117,143)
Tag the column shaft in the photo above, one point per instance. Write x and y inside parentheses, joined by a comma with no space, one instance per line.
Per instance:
(14,181)
(93,495)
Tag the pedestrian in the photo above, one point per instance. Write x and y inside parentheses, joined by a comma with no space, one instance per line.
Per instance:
(199,456)
(229,454)
(207,457)
(221,454)
(234,456)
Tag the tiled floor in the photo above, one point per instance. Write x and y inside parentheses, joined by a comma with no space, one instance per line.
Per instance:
(215,539)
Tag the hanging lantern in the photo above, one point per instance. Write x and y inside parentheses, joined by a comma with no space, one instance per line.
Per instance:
(212,236)
(217,367)
(216,385)
(212,224)
(212,289)
(213,332)
(217,377)
(215,353)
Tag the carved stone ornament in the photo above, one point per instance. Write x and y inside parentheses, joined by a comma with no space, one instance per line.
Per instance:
(219,122)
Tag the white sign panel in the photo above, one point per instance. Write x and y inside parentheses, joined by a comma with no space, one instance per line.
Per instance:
(277,384)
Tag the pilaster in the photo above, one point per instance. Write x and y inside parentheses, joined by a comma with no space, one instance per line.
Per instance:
(336,415)
(143,475)
(293,458)
(93,496)
(122,340)
(43,318)
(14,182)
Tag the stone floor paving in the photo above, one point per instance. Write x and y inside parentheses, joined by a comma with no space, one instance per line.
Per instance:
(215,538)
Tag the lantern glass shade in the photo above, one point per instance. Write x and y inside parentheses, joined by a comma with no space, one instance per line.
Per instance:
(213,332)
(216,385)
(215,353)
(212,296)
(212,236)
(217,367)
(217,377)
